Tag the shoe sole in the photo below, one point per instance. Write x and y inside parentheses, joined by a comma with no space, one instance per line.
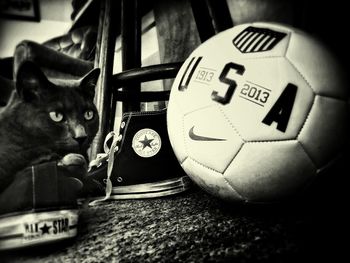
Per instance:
(151,190)
(19,231)
(147,190)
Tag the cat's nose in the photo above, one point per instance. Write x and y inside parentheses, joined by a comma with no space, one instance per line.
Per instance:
(81,140)
(79,134)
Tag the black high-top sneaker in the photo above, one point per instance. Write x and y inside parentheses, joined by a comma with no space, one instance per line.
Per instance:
(140,162)
(39,207)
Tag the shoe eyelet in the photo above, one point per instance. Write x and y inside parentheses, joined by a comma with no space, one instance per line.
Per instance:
(104,181)
(99,164)
(119,179)
(122,125)
(120,137)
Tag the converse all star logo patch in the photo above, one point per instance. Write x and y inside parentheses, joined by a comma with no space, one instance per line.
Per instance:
(146,143)
(62,224)
(37,228)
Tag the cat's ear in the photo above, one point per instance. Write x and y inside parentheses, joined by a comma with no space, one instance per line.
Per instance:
(88,82)
(30,82)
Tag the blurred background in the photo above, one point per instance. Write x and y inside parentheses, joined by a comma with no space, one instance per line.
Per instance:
(129,34)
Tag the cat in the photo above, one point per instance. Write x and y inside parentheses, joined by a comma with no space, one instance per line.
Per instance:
(46,120)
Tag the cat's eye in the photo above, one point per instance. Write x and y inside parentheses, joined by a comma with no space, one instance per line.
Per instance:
(88,115)
(56,116)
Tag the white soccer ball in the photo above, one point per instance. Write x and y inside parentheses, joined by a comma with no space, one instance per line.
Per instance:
(257,111)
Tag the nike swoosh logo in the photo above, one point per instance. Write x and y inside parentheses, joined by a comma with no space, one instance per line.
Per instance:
(197,137)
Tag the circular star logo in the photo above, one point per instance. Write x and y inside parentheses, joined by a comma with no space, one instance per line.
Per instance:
(146,143)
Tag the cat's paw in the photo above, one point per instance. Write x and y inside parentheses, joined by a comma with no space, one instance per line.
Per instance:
(74,164)
(73,159)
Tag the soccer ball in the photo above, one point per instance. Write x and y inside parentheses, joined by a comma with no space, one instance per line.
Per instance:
(257,111)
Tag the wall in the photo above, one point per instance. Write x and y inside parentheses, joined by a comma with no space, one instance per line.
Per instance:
(244,11)
(55,21)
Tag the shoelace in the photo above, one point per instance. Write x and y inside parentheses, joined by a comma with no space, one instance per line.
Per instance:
(109,155)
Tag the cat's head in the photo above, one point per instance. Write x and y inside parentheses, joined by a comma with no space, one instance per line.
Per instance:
(60,114)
